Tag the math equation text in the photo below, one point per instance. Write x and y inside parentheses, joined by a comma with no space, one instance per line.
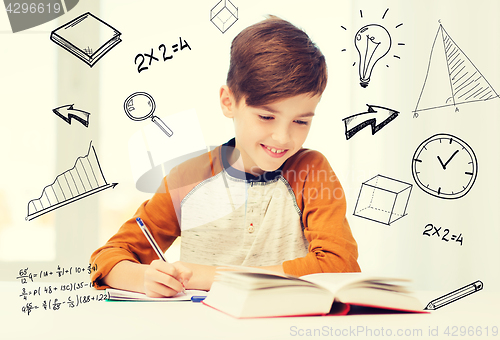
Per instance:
(144,61)
(445,234)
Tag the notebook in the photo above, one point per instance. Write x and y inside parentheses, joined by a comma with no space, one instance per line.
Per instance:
(125,295)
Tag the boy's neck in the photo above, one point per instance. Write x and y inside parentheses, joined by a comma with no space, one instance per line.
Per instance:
(236,161)
(234,164)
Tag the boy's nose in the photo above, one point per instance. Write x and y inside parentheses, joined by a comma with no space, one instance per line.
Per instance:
(281,135)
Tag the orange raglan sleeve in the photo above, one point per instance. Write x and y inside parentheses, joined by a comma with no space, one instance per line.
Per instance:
(129,243)
(319,195)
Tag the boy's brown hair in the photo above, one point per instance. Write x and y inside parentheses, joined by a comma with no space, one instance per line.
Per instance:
(274,60)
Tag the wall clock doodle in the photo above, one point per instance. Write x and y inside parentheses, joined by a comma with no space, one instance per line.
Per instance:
(444,166)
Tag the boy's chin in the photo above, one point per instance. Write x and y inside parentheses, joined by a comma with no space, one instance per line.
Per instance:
(259,169)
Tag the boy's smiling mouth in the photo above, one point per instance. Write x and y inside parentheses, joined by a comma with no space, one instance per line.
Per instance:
(274,152)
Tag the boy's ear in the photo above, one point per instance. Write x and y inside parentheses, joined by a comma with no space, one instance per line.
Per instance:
(227,102)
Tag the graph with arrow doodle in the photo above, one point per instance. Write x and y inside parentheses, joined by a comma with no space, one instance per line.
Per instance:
(67,112)
(85,178)
(357,122)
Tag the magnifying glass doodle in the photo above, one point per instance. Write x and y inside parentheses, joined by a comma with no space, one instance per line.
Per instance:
(140,106)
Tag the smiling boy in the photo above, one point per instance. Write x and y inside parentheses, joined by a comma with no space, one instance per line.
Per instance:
(258,200)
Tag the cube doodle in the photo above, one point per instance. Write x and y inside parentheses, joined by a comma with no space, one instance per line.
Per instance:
(224,15)
(383,199)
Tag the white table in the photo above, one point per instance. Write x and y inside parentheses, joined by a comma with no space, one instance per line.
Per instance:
(188,320)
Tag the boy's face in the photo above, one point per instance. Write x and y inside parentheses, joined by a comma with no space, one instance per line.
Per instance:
(267,135)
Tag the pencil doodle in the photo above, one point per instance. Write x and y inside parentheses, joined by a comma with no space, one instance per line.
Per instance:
(383,199)
(372,42)
(369,118)
(67,112)
(142,105)
(25,15)
(86,37)
(85,178)
(436,231)
(444,166)
(140,59)
(224,15)
(451,77)
(455,295)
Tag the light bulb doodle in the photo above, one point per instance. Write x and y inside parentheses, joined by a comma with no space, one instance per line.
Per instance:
(373,42)
(144,106)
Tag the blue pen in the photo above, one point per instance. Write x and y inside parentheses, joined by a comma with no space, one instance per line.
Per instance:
(152,241)
(150,238)
(197,298)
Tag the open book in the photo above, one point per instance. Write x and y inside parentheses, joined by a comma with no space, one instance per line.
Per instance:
(125,295)
(246,294)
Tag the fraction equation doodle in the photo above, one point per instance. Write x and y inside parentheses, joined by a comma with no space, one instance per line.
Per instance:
(71,302)
(140,59)
(24,274)
(53,295)
(431,230)
(25,293)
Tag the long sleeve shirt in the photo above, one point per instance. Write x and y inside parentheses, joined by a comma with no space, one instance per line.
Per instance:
(294,216)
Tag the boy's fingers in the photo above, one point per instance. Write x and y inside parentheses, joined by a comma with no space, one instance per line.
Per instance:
(174,276)
(156,289)
(164,274)
(184,273)
(165,267)
(171,282)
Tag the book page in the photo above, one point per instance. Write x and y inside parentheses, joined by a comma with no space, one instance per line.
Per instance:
(337,281)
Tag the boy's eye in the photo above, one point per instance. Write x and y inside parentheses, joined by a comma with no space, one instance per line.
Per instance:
(265,117)
(301,122)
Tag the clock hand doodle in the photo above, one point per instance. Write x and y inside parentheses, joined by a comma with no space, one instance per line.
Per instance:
(454,175)
(448,161)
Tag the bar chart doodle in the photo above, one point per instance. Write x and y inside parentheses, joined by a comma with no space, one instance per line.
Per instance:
(451,77)
(85,178)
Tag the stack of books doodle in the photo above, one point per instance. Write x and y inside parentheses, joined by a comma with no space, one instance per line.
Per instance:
(87,37)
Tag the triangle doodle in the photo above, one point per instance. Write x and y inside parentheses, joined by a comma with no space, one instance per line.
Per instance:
(451,77)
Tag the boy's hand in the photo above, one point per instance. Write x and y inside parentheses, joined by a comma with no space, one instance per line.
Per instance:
(165,279)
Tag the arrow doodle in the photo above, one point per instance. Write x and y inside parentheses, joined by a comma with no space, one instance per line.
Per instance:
(369,118)
(67,112)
